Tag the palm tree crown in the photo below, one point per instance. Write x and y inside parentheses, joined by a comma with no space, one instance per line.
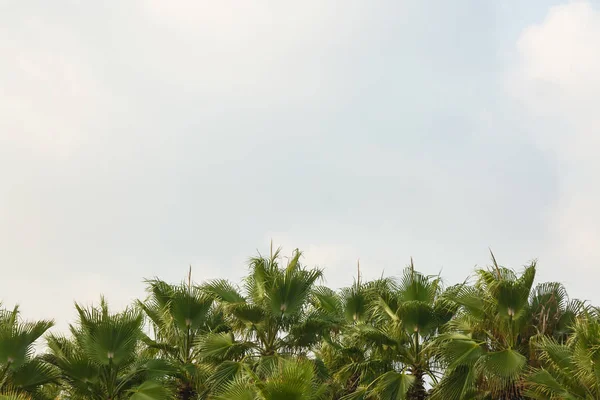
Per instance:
(22,374)
(104,358)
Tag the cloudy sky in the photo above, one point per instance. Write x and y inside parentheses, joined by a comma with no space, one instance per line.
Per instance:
(139,137)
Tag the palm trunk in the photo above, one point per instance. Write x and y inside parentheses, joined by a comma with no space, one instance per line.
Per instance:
(417,390)
(514,392)
(351,385)
(186,391)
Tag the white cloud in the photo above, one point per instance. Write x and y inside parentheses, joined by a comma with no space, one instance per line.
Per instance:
(260,53)
(46,93)
(562,50)
(135,140)
(557,80)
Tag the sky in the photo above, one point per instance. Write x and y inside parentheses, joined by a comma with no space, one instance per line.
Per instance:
(140,137)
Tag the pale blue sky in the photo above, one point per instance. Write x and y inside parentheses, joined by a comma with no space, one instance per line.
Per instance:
(139,137)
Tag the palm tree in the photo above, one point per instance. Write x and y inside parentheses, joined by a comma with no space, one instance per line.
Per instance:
(344,350)
(22,374)
(14,396)
(552,313)
(274,303)
(570,370)
(180,316)
(281,379)
(104,357)
(486,351)
(272,317)
(411,313)
(386,349)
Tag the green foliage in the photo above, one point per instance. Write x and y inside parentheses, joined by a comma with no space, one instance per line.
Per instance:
(282,379)
(276,311)
(571,370)
(388,333)
(22,374)
(485,349)
(281,335)
(182,316)
(104,358)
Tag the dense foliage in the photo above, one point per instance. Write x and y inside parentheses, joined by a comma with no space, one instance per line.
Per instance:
(282,335)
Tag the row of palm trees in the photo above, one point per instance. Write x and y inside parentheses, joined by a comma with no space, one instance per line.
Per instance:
(281,334)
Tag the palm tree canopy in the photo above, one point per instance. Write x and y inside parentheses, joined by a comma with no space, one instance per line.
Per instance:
(569,370)
(182,316)
(103,358)
(485,349)
(282,334)
(21,372)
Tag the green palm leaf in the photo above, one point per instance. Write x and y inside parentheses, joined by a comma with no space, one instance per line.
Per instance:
(150,391)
